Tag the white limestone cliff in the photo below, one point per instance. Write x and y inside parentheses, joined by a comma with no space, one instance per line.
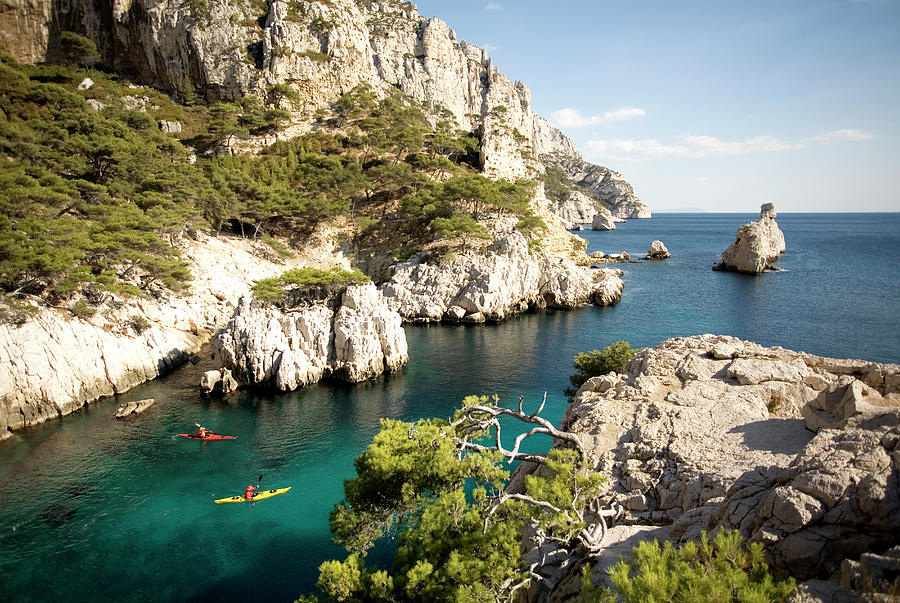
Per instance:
(264,345)
(323,49)
(757,245)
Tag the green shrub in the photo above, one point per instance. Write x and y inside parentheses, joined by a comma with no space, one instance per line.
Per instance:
(312,283)
(81,309)
(721,570)
(138,323)
(594,363)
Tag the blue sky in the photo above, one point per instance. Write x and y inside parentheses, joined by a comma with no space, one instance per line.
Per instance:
(719,106)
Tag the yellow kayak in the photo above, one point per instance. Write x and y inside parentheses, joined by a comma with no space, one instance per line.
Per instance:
(258,496)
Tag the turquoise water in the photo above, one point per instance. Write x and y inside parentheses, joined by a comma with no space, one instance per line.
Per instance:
(92,507)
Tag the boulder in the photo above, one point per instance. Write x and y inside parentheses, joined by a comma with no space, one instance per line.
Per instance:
(757,246)
(603,221)
(657,251)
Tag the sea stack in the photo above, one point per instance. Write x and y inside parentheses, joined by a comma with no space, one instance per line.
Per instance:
(757,246)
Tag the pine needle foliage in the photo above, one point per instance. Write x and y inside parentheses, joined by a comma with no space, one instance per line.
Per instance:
(458,537)
(721,570)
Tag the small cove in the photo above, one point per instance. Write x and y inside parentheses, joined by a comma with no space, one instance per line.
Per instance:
(94,505)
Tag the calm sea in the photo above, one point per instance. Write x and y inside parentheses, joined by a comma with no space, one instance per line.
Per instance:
(93,507)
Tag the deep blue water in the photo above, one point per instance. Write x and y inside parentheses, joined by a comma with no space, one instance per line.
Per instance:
(92,507)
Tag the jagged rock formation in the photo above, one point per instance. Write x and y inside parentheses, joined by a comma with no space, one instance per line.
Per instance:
(24,31)
(603,220)
(706,432)
(657,251)
(507,280)
(602,184)
(360,339)
(55,363)
(757,246)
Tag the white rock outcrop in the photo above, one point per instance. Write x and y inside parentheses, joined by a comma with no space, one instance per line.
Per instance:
(657,251)
(575,209)
(507,280)
(285,350)
(757,246)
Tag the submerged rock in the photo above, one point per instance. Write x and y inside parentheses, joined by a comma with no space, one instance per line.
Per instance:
(757,246)
(133,408)
(285,350)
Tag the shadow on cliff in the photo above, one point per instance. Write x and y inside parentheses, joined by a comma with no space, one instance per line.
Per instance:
(779,436)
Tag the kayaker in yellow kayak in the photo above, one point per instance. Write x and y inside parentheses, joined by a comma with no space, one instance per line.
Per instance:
(248,493)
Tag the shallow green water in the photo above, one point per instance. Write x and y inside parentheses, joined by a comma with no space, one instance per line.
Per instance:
(95,507)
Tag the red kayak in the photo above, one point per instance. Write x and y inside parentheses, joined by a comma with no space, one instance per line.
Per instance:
(211,436)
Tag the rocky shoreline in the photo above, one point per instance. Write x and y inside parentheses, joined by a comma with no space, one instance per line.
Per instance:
(797,451)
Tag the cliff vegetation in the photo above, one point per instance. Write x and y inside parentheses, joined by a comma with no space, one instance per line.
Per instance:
(102,178)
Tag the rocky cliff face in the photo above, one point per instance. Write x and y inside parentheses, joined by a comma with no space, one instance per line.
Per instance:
(711,431)
(757,245)
(225,49)
(55,363)
(475,286)
(360,339)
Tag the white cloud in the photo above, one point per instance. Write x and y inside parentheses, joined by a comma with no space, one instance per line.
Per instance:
(690,147)
(845,135)
(493,6)
(571,118)
(489,47)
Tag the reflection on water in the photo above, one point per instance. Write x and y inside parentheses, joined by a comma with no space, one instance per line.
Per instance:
(124,508)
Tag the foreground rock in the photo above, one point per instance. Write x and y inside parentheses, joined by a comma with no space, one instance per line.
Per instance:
(359,339)
(757,246)
(657,251)
(507,280)
(708,432)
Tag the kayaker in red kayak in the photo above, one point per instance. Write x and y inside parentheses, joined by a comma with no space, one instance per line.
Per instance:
(202,432)
(248,493)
